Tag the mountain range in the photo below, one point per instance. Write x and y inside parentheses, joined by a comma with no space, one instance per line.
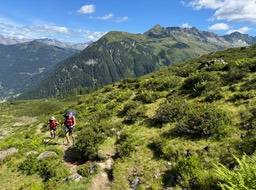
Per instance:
(119,55)
(12,41)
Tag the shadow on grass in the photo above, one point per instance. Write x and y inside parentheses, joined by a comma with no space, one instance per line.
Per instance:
(152,123)
(71,157)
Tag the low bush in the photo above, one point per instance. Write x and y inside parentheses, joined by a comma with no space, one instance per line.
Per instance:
(241,96)
(194,119)
(126,144)
(200,83)
(87,169)
(133,115)
(48,168)
(234,73)
(126,107)
(249,85)
(213,96)
(171,111)
(146,96)
(124,95)
(187,171)
(202,120)
(183,71)
(88,141)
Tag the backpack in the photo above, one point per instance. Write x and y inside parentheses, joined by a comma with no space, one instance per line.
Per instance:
(53,123)
(69,121)
(70,111)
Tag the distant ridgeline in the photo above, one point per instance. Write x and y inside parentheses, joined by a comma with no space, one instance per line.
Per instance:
(120,55)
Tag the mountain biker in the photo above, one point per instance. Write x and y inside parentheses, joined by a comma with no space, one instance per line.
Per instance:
(53,122)
(69,124)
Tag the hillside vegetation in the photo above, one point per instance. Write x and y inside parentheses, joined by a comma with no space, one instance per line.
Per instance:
(189,126)
(120,55)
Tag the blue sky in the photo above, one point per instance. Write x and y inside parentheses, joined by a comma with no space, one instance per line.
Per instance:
(85,20)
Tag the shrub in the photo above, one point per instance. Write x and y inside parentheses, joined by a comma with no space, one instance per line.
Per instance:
(204,121)
(87,169)
(213,96)
(249,142)
(133,114)
(163,149)
(30,166)
(126,107)
(171,112)
(234,73)
(146,96)
(48,169)
(127,144)
(248,118)
(88,141)
(183,71)
(107,89)
(197,78)
(187,171)
(249,85)
(217,66)
(241,96)
(199,83)
(124,95)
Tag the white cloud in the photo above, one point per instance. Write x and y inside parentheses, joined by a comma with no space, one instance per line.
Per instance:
(86,9)
(207,4)
(110,16)
(37,31)
(93,36)
(57,29)
(219,26)
(183,3)
(242,30)
(185,25)
(229,10)
(105,17)
(122,19)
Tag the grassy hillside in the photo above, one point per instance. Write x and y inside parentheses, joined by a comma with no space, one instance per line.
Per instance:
(185,126)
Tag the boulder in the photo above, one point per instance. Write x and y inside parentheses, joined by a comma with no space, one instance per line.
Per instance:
(8,152)
(46,154)
(75,177)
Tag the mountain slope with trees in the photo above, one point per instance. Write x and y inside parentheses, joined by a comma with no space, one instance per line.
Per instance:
(189,126)
(119,55)
(23,65)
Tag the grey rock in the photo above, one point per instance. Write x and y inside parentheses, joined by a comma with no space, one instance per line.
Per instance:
(135,183)
(46,154)
(75,177)
(8,152)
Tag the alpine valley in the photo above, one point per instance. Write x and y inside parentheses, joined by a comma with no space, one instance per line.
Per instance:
(38,70)
(185,126)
